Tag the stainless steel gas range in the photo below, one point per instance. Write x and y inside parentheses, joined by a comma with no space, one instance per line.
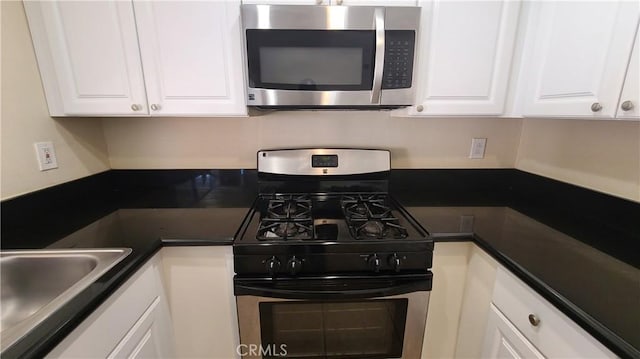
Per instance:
(328,264)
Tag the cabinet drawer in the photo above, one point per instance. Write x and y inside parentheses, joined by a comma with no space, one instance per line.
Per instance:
(555,335)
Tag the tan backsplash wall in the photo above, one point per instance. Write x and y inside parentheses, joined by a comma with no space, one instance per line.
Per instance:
(79,143)
(233,142)
(600,155)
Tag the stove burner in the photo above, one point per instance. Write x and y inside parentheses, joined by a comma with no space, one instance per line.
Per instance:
(365,206)
(289,207)
(286,229)
(371,229)
(273,229)
(370,217)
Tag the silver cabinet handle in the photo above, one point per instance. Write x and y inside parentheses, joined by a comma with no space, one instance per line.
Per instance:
(419,108)
(534,320)
(155,107)
(627,106)
(596,106)
(136,107)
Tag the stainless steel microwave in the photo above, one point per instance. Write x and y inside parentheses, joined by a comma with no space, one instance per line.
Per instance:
(330,56)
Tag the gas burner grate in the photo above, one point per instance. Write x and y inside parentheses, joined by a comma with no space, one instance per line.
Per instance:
(370,217)
(277,229)
(365,206)
(289,207)
(287,217)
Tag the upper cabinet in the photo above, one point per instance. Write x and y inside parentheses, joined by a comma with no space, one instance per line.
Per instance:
(576,56)
(465,56)
(630,98)
(123,58)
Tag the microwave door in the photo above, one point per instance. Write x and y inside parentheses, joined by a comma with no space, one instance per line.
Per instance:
(316,62)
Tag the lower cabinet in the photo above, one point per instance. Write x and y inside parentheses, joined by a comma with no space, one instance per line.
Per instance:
(199,282)
(134,322)
(536,325)
(503,340)
(463,279)
(478,309)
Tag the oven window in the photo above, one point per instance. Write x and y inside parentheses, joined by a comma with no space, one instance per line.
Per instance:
(353,329)
(317,60)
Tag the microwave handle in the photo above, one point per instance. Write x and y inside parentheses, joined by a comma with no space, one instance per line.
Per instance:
(378,19)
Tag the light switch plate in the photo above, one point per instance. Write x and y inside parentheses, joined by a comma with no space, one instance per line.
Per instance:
(477,147)
(46,155)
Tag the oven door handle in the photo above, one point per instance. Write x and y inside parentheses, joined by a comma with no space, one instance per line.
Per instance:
(269,289)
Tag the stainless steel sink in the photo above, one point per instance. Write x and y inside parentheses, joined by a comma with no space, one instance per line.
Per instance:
(35,283)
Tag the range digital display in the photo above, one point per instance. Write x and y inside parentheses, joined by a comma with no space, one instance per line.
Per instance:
(324,161)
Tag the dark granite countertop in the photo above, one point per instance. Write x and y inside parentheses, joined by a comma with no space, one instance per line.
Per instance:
(579,249)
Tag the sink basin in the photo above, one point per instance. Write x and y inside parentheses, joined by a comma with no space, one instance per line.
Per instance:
(35,283)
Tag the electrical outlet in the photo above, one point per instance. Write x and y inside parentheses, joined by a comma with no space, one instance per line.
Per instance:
(466,224)
(46,156)
(477,147)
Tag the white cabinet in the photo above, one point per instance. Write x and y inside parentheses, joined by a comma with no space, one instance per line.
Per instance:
(199,284)
(88,56)
(450,265)
(503,340)
(130,58)
(528,320)
(575,58)
(629,105)
(464,57)
(134,322)
(192,57)
(458,306)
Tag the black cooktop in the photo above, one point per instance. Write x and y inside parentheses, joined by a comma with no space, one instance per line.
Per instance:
(340,217)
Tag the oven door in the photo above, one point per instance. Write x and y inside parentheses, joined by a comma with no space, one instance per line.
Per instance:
(364,317)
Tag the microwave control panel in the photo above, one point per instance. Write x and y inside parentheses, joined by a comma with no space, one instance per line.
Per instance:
(398,59)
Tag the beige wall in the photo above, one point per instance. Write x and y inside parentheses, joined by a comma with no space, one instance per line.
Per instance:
(609,160)
(79,143)
(233,142)
(600,155)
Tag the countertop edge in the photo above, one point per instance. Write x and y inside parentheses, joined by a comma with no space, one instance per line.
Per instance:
(596,329)
(52,331)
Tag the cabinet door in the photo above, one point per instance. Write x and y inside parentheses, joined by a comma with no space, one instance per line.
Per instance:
(576,56)
(133,322)
(192,57)
(148,337)
(628,108)
(465,56)
(503,340)
(88,57)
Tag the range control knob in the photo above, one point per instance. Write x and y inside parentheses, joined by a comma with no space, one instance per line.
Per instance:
(294,265)
(272,264)
(374,262)
(395,262)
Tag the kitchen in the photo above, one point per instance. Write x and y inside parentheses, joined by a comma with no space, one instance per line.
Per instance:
(600,155)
